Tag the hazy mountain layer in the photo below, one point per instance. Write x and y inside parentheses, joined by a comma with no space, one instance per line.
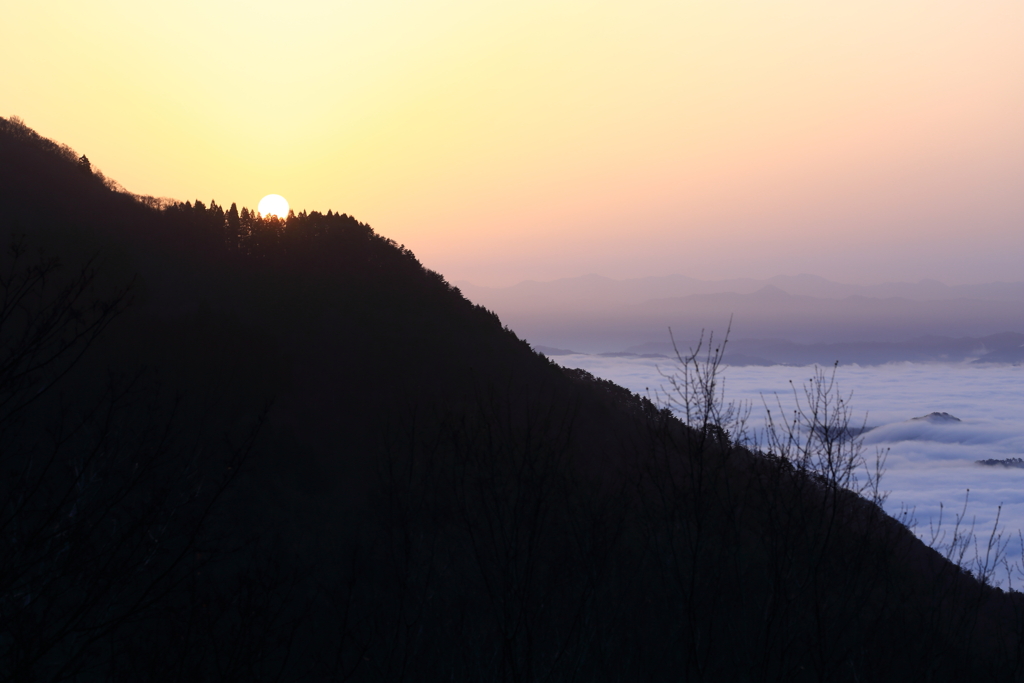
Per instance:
(1007,347)
(596,290)
(594,314)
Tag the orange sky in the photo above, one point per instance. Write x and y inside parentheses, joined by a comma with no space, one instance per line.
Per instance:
(862,141)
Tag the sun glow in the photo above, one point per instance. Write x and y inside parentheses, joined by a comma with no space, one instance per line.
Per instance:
(545,139)
(273,205)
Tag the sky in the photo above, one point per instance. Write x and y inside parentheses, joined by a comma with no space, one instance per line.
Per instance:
(863,141)
(929,467)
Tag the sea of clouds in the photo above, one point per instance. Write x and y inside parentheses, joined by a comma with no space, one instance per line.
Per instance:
(929,462)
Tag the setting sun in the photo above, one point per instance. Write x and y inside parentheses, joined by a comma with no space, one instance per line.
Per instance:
(273,205)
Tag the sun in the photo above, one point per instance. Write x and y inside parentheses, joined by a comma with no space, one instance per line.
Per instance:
(273,205)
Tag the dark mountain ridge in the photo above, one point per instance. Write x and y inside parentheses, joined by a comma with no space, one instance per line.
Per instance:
(285,450)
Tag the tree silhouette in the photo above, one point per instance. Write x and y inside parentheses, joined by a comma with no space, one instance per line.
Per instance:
(429,499)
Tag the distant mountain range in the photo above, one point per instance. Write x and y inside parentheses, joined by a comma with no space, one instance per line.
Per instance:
(877,323)
(601,291)
(1006,347)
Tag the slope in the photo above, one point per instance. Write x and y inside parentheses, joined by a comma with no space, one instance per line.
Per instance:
(284,449)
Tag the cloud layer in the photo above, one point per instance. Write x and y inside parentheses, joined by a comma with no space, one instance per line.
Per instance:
(930,466)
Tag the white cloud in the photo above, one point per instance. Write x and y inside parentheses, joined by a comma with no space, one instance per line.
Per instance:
(928,463)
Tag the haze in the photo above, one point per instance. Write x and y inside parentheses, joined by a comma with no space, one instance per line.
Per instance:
(865,142)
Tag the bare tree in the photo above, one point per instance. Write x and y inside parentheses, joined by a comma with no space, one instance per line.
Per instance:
(102,506)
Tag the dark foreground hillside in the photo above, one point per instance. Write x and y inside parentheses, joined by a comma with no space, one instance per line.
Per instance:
(243,449)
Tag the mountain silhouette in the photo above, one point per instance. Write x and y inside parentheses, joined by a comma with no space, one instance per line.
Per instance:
(238,448)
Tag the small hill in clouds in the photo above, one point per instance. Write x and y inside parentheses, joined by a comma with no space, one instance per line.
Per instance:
(938,418)
(596,314)
(243,448)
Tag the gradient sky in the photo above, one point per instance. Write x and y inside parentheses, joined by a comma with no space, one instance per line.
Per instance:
(862,141)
